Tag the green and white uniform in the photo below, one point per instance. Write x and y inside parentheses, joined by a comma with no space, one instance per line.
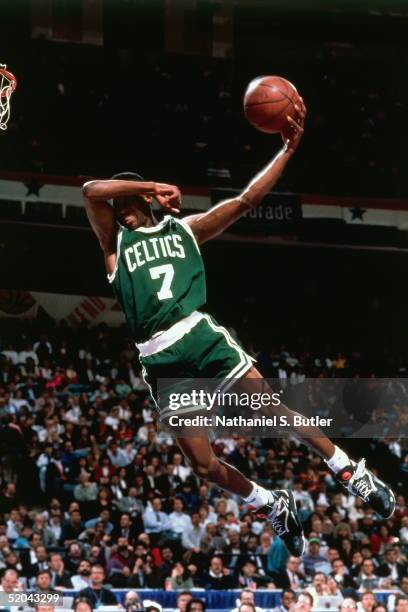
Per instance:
(159,280)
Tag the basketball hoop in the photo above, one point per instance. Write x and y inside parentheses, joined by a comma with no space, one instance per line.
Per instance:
(8,83)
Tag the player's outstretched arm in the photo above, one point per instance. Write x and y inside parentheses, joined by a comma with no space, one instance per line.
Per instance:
(212,223)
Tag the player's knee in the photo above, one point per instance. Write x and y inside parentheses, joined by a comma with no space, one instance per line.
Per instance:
(207,470)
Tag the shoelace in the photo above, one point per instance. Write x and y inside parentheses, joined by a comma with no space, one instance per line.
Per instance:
(358,482)
(278,515)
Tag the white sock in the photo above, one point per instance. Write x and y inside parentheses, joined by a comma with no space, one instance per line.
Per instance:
(258,496)
(339,461)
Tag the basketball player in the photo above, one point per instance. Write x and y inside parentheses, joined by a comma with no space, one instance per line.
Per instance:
(157,274)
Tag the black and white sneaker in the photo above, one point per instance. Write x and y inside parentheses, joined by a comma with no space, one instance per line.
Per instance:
(360,481)
(282,514)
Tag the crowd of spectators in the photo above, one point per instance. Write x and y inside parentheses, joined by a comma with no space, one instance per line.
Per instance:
(93,494)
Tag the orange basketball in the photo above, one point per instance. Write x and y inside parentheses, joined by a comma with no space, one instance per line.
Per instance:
(267,102)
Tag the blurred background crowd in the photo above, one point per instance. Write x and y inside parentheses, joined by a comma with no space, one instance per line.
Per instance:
(92,493)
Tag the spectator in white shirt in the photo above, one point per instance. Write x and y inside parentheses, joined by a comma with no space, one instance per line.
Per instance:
(11,354)
(155,521)
(112,420)
(303,499)
(14,525)
(124,411)
(82,579)
(117,456)
(179,521)
(403,533)
(192,535)
(26,353)
(17,401)
(74,413)
(55,526)
(179,469)
(230,503)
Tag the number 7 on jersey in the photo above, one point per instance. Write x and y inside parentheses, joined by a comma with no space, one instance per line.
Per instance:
(167,271)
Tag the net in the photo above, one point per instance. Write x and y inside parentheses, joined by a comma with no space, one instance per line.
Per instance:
(8,83)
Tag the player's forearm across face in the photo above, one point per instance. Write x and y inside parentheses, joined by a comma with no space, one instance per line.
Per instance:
(105,190)
(265,180)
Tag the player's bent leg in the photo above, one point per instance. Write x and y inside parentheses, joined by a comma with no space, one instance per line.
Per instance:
(311,435)
(353,476)
(278,506)
(207,466)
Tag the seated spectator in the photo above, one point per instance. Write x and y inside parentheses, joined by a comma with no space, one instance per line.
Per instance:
(180,577)
(117,456)
(401,603)
(82,604)
(97,594)
(179,521)
(121,563)
(304,603)
(132,602)
(324,591)
(249,577)
(155,520)
(341,575)
(144,575)
(218,577)
(348,605)
(60,578)
(403,590)
(180,470)
(118,486)
(9,582)
(367,578)
(212,541)
(39,560)
(73,557)
(182,600)
(291,577)
(313,559)
(28,352)
(85,491)
(130,503)
(195,605)
(192,535)
(47,536)
(287,599)
(72,528)
(391,567)
(103,521)
(43,582)
(126,529)
(82,579)
(367,602)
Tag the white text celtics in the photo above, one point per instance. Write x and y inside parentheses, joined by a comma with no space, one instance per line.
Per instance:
(151,249)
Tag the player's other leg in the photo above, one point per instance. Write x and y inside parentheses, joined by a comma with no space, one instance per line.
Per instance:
(277,506)
(355,477)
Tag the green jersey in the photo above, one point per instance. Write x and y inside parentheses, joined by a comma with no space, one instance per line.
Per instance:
(159,276)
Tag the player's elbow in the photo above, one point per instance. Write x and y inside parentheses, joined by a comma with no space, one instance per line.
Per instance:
(88,188)
(251,198)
